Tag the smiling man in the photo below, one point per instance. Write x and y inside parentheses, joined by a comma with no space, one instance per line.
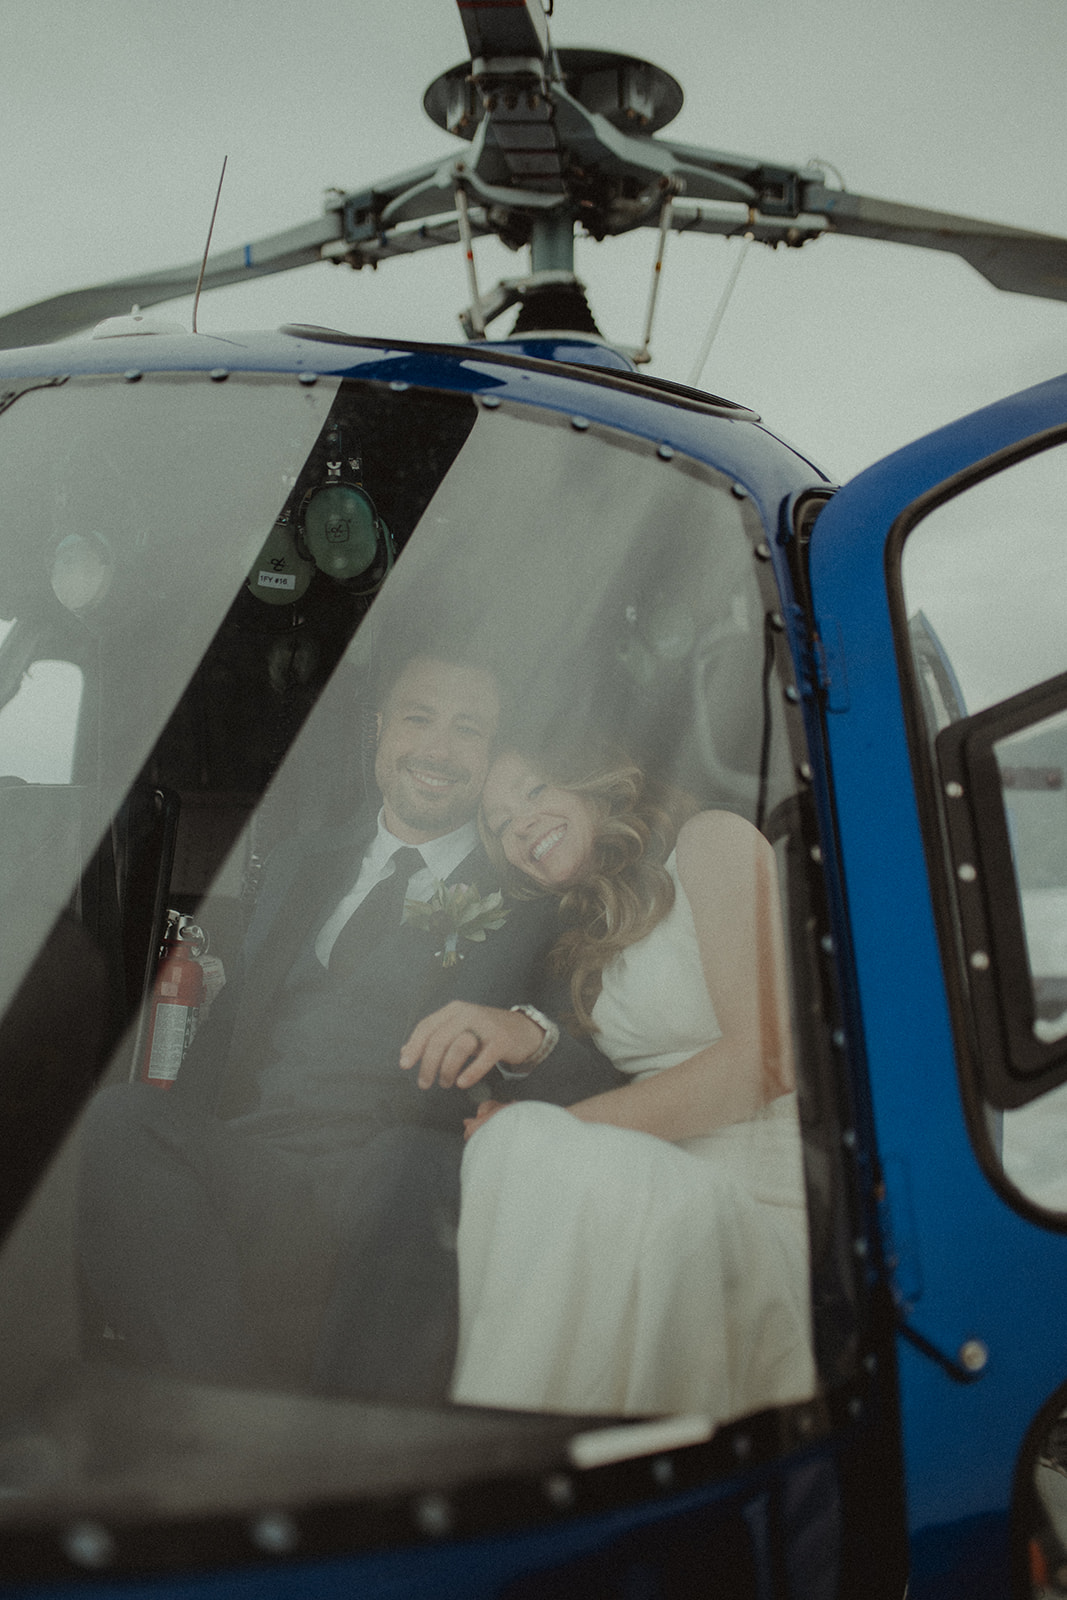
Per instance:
(287,1212)
(434,736)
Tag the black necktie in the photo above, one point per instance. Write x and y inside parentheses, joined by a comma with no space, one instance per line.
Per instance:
(375,917)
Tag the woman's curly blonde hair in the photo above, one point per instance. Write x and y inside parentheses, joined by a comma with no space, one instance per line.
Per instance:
(627,888)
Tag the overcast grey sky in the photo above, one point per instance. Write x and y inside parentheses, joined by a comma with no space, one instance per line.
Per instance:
(115,116)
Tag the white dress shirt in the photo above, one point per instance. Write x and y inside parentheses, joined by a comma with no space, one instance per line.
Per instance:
(442,857)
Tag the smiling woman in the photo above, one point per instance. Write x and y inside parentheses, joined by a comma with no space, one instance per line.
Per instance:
(545,831)
(673,948)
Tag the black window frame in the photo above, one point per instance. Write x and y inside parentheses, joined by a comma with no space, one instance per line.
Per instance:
(1013,1065)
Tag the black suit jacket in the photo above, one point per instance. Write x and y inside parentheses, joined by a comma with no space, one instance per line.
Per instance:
(403,982)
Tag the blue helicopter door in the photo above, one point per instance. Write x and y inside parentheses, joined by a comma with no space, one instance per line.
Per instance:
(939,583)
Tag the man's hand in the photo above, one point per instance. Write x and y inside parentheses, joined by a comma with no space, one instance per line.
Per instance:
(459,1044)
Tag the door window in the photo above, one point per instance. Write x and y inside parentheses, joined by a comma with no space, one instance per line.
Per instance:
(984,578)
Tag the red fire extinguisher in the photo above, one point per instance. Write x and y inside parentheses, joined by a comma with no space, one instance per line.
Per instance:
(177,995)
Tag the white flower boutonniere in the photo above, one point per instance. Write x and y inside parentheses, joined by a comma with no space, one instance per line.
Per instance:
(454,912)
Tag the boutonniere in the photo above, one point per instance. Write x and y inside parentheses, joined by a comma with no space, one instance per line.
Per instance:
(453,912)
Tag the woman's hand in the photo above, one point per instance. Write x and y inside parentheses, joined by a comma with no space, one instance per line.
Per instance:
(487,1109)
(459,1044)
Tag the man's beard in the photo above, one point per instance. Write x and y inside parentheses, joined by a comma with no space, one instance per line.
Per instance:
(447,811)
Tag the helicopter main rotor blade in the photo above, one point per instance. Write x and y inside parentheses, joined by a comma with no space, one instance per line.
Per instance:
(410,212)
(67,314)
(1015,259)
(502,28)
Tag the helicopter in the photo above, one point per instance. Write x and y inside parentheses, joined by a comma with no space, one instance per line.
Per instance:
(199,582)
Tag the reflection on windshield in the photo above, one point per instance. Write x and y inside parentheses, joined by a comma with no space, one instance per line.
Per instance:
(181,527)
(421,942)
(38,727)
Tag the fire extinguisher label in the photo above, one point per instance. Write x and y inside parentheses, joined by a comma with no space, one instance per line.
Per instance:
(168,1042)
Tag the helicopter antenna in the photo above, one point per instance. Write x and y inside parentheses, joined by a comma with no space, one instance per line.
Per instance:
(720,312)
(207,246)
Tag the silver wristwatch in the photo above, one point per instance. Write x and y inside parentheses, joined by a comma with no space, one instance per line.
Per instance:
(548,1043)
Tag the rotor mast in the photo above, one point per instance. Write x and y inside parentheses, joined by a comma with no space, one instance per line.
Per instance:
(552,241)
(506,104)
(528,110)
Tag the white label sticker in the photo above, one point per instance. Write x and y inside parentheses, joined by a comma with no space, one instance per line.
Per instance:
(276,580)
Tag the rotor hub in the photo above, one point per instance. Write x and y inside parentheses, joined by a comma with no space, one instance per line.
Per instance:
(628,92)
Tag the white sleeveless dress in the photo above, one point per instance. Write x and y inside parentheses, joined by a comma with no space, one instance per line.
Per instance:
(603,1270)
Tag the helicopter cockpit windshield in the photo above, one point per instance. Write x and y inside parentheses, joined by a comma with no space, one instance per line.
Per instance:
(202,661)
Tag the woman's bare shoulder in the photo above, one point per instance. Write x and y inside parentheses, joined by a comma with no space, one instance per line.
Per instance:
(718,830)
(719,848)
